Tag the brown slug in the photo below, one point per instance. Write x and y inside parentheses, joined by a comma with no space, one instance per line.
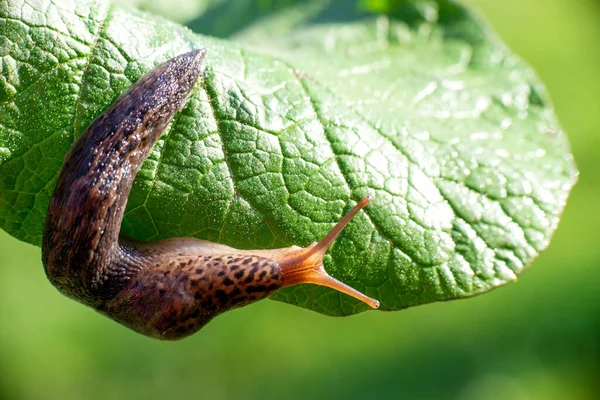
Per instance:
(171,288)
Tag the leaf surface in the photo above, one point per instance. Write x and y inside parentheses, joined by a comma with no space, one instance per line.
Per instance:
(309,109)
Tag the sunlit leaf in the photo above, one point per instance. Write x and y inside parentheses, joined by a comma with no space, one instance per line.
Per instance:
(311,108)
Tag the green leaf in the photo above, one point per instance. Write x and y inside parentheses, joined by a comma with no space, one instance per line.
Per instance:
(316,105)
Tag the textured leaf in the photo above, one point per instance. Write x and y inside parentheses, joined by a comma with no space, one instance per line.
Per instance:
(322,104)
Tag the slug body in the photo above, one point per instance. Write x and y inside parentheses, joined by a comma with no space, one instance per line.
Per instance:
(172,288)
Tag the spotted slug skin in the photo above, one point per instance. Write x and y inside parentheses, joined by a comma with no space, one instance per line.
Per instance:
(184,283)
(172,288)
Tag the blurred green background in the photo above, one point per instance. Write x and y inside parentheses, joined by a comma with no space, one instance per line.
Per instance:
(536,339)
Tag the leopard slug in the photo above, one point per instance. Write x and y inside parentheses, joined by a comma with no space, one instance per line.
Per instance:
(171,288)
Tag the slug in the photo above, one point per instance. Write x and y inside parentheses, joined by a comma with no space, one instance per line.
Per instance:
(171,288)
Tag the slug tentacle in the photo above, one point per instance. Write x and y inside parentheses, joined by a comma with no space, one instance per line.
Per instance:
(167,289)
(307,265)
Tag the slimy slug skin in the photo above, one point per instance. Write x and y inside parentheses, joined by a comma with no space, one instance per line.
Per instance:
(172,288)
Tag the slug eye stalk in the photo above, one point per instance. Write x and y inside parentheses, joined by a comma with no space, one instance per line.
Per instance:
(306,265)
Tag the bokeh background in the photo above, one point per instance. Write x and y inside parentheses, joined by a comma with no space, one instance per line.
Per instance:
(535,339)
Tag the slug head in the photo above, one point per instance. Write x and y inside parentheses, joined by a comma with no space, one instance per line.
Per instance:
(305,265)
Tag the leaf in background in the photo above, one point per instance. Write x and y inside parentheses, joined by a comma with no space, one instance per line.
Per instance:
(422,108)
